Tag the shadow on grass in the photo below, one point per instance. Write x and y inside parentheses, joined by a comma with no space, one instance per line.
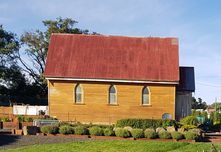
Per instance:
(7,139)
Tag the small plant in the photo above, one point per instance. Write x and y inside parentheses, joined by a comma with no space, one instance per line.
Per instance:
(164,135)
(5,119)
(96,131)
(177,135)
(120,132)
(189,120)
(65,129)
(80,130)
(188,127)
(49,129)
(150,133)
(28,119)
(108,132)
(21,118)
(137,133)
(191,135)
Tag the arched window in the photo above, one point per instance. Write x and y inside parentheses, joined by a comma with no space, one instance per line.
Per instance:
(145,96)
(78,94)
(112,95)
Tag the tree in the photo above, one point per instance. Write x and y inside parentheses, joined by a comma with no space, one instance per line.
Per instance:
(198,104)
(36,44)
(9,45)
(216,106)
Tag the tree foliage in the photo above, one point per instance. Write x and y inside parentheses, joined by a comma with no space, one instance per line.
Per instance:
(9,45)
(198,104)
(36,44)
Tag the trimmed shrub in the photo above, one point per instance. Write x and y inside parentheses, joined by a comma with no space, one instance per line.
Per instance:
(189,120)
(128,128)
(197,131)
(164,135)
(150,134)
(171,129)
(139,123)
(137,133)
(191,135)
(120,132)
(177,135)
(159,129)
(49,129)
(108,132)
(96,131)
(65,129)
(80,130)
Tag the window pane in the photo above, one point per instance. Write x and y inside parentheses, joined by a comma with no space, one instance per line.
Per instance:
(78,98)
(145,99)
(112,89)
(112,98)
(145,91)
(78,94)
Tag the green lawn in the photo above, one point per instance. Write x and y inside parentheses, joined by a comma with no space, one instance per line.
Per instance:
(120,146)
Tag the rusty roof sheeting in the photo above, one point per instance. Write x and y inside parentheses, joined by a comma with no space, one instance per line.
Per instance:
(113,57)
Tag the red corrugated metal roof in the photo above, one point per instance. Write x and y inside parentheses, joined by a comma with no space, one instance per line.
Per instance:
(113,57)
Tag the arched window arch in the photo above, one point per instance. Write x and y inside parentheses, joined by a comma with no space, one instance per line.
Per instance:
(78,94)
(112,95)
(145,96)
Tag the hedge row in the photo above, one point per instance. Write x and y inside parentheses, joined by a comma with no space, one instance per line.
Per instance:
(145,123)
(120,132)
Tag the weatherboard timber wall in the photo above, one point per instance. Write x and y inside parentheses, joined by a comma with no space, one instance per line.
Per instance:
(96,109)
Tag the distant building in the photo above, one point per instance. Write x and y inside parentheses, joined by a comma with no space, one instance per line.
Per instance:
(101,79)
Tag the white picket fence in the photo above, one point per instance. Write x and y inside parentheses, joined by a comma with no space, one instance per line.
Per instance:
(29,110)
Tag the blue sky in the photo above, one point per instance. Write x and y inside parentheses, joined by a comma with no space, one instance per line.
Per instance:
(197,24)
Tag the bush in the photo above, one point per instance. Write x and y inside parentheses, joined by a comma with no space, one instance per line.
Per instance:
(80,130)
(120,132)
(49,129)
(139,123)
(128,128)
(28,119)
(96,131)
(64,124)
(164,135)
(167,122)
(150,134)
(191,135)
(188,127)
(65,129)
(137,133)
(197,131)
(159,129)
(108,132)
(177,135)
(189,120)
(20,118)
(5,119)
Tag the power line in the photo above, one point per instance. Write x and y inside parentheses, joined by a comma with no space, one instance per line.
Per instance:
(208,84)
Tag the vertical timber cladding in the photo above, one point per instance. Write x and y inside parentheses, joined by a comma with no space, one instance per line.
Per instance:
(96,109)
